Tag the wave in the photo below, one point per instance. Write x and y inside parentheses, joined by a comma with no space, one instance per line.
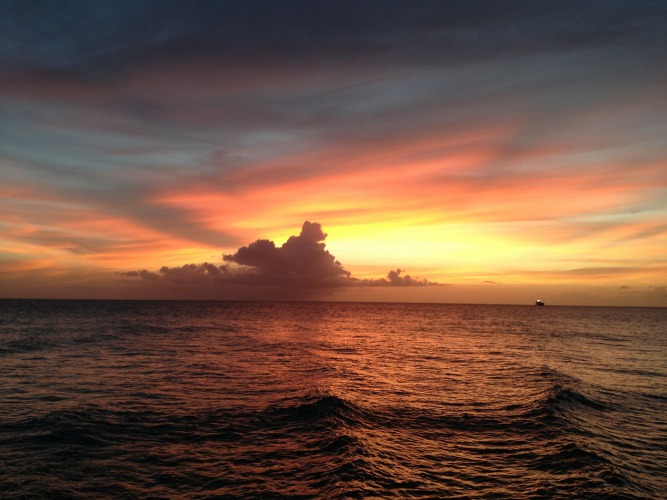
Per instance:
(561,399)
(557,409)
(218,401)
(321,441)
(91,425)
(319,407)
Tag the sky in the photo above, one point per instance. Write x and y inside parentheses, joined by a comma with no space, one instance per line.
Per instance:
(458,151)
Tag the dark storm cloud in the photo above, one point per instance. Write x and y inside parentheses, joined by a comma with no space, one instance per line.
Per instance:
(87,34)
(302,262)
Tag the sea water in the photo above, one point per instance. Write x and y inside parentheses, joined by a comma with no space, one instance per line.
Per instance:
(114,399)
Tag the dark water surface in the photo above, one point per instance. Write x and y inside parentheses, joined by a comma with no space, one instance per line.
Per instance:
(331,400)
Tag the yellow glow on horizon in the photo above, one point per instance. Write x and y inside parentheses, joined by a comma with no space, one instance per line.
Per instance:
(372,223)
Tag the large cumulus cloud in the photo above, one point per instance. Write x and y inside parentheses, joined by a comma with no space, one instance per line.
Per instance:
(301,263)
(301,260)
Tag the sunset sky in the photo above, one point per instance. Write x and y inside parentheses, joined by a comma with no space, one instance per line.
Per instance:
(491,151)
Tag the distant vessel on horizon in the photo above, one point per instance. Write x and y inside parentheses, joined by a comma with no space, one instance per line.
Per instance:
(538,302)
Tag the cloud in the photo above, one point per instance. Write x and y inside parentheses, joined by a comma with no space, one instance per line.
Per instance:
(80,34)
(659,292)
(394,278)
(301,263)
(600,271)
(654,296)
(189,274)
(301,260)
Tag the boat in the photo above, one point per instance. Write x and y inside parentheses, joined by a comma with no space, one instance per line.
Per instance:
(538,302)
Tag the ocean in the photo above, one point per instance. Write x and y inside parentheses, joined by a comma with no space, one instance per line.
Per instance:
(124,399)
